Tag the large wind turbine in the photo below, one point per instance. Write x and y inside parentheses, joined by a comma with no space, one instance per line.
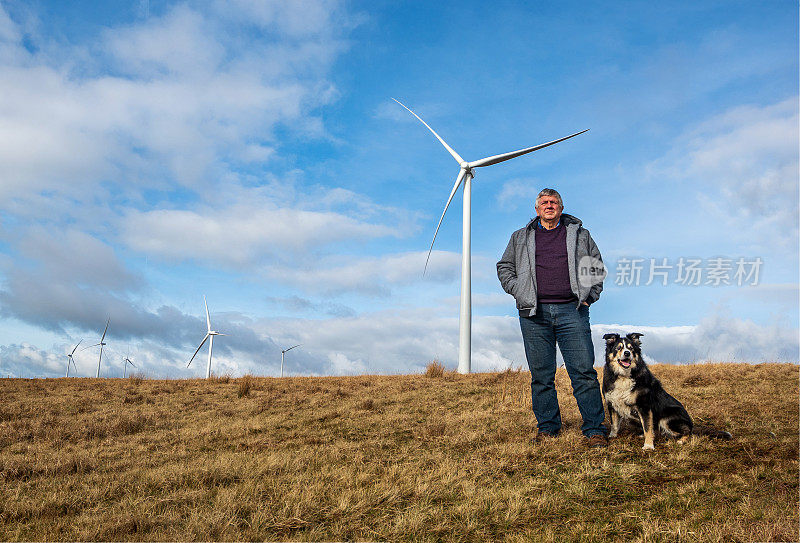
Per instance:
(210,337)
(71,360)
(102,344)
(284,351)
(465,176)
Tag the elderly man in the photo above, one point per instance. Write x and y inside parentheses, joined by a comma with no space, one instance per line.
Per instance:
(554,270)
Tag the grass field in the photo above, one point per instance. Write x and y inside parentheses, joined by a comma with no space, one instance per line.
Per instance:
(439,458)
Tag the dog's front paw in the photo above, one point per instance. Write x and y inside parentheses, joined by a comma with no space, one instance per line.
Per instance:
(648,447)
(612,434)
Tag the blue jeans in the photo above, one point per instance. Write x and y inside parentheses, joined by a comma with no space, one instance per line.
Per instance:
(569,327)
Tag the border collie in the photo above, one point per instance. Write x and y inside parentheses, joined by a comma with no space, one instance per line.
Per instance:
(631,392)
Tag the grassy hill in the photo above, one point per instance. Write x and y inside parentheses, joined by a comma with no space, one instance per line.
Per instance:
(388,458)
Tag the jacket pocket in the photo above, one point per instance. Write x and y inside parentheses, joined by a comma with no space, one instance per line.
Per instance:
(524,293)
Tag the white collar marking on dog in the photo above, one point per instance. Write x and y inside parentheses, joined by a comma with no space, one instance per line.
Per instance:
(622,398)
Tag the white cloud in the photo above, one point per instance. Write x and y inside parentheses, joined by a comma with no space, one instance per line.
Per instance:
(519,192)
(241,234)
(371,276)
(405,341)
(746,163)
(275,222)
(175,99)
(737,340)
(390,342)
(300,18)
(717,338)
(26,360)
(175,44)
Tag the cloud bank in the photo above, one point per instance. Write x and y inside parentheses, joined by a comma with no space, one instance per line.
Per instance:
(387,342)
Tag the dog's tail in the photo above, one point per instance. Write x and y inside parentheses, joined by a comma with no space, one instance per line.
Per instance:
(710,431)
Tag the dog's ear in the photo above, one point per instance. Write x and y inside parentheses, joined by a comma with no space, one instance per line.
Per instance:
(634,337)
(610,338)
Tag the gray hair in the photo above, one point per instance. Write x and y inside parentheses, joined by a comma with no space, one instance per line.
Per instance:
(550,192)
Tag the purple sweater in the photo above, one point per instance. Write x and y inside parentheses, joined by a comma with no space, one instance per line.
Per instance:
(552,270)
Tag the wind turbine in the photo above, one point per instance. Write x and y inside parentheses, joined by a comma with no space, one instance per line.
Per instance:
(284,352)
(71,360)
(127,360)
(102,344)
(465,176)
(209,336)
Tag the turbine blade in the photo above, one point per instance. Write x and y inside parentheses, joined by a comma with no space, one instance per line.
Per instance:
(290,348)
(449,149)
(106,330)
(90,346)
(198,349)
(488,161)
(208,319)
(452,193)
(76,346)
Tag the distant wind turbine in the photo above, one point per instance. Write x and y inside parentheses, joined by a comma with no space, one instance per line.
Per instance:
(71,360)
(125,365)
(101,344)
(210,337)
(465,176)
(284,352)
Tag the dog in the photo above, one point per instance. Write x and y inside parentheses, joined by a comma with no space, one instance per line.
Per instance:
(631,392)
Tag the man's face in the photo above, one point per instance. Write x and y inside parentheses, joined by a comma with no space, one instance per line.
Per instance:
(548,208)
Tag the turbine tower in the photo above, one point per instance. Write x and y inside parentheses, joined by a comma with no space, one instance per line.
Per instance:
(102,344)
(210,337)
(71,360)
(465,176)
(284,352)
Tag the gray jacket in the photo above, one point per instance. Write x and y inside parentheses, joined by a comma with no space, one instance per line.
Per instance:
(517,268)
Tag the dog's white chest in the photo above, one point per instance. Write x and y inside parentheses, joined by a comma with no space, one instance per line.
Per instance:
(622,398)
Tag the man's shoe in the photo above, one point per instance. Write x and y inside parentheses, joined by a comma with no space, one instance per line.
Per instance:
(544,436)
(597,441)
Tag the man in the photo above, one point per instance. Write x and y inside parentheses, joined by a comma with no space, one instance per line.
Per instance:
(554,270)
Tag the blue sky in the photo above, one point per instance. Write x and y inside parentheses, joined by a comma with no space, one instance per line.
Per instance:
(155,152)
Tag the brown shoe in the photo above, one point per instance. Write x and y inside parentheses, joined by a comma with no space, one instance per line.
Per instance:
(541,437)
(597,441)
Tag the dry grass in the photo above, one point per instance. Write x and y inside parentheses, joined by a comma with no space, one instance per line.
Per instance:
(388,458)
(245,384)
(434,370)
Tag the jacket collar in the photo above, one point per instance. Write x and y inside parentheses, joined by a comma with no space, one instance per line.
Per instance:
(566,219)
